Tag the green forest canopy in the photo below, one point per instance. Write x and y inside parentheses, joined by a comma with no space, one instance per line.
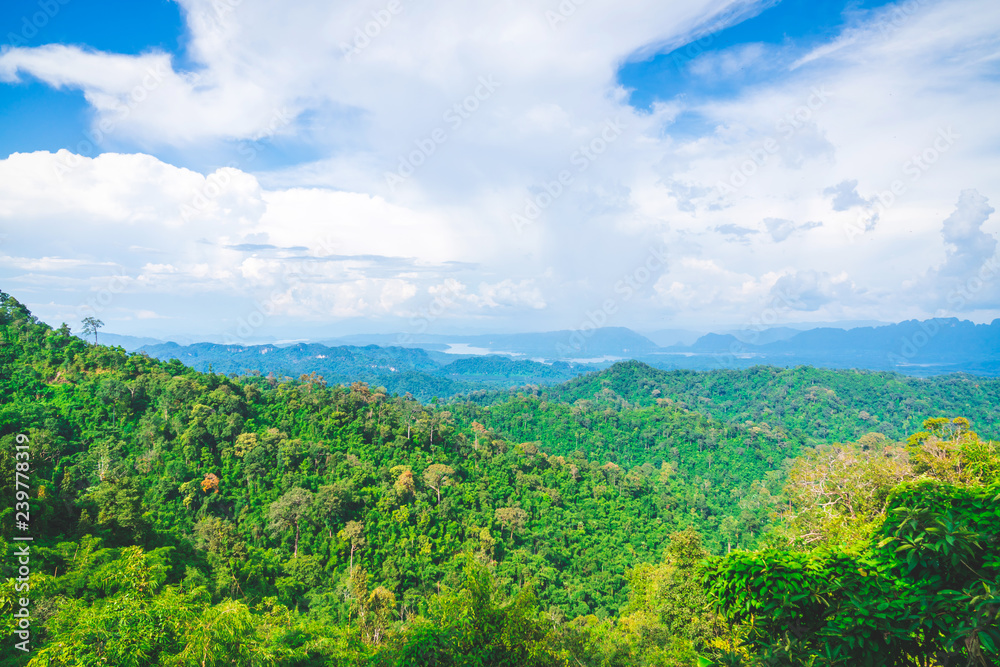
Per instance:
(193,518)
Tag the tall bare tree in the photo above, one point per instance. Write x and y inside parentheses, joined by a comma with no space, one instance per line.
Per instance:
(91,325)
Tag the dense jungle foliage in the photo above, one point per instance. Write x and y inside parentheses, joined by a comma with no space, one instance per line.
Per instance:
(188,518)
(812,405)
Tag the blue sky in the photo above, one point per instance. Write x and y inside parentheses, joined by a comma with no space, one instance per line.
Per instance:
(797,26)
(117,26)
(39,117)
(42,117)
(180,168)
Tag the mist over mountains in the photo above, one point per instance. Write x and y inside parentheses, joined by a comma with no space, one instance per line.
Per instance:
(929,347)
(428,365)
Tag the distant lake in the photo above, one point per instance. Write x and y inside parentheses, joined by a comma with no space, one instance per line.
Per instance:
(465,348)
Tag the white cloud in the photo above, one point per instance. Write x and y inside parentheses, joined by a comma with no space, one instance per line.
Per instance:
(968,278)
(808,290)
(309,253)
(328,237)
(510,293)
(731,61)
(962,230)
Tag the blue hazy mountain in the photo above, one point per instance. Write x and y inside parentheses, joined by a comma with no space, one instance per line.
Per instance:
(129,343)
(617,342)
(914,347)
(445,365)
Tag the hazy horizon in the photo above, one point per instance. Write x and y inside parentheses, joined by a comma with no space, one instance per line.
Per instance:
(744,333)
(204,168)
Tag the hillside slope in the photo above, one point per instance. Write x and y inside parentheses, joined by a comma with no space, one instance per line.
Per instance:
(814,404)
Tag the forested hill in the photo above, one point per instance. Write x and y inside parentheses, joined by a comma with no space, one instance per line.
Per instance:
(810,404)
(250,491)
(188,518)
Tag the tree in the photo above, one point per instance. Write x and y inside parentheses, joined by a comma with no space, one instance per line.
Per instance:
(404,485)
(226,551)
(354,532)
(668,617)
(925,594)
(949,450)
(374,609)
(913,582)
(476,625)
(210,483)
(512,517)
(332,503)
(120,507)
(437,475)
(836,493)
(288,511)
(245,442)
(91,325)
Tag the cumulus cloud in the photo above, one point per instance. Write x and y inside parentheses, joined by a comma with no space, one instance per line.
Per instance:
(326,236)
(708,291)
(253,60)
(967,279)
(307,252)
(969,245)
(731,61)
(808,290)
(506,293)
(143,97)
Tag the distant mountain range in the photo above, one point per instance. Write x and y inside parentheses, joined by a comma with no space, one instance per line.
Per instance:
(592,345)
(399,370)
(129,343)
(671,337)
(928,347)
(428,365)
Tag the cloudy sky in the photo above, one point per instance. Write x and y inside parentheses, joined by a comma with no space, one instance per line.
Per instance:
(203,167)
